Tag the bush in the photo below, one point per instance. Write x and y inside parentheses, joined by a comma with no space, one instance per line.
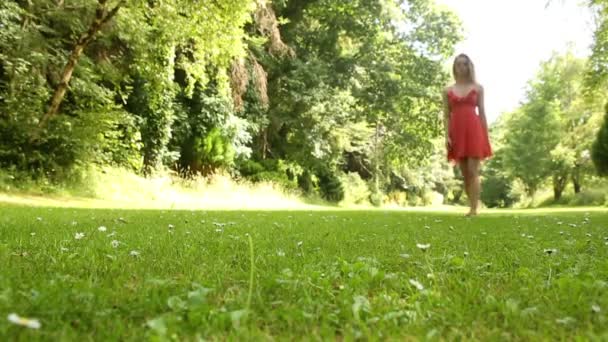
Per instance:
(599,150)
(355,188)
(376,199)
(276,177)
(330,186)
(249,168)
(306,182)
(397,197)
(589,197)
(497,191)
(497,188)
(277,171)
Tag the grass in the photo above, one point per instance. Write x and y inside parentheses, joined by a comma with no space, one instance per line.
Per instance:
(303,275)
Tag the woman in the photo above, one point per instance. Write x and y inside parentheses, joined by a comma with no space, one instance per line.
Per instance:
(466,130)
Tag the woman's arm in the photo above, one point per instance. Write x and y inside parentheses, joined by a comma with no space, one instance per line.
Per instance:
(446,117)
(482,108)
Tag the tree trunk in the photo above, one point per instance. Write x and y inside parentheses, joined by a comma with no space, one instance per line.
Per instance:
(102,16)
(559,183)
(576,180)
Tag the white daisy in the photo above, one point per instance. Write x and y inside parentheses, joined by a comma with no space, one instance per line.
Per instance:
(416,284)
(423,247)
(115,243)
(102,228)
(78,236)
(26,322)
(134,253)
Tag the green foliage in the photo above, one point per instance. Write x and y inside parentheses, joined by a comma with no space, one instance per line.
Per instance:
(330,185)
(597,72)
(356,89)
(214,150)
(599,152)
(356,190)
(497,186)
(280,172)
(554,111)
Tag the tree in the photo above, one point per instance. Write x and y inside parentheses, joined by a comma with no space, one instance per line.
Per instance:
(356,64)
(558,88)
(597,72)
(531,132)
(599,153)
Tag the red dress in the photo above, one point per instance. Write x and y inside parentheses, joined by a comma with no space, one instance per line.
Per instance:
(469,138)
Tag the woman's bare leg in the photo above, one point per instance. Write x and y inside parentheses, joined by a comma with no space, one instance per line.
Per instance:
(464,169)
(475,186)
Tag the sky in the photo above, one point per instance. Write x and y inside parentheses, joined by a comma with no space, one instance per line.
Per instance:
(508,39)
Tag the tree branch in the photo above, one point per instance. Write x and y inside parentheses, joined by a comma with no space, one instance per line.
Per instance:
(102,16)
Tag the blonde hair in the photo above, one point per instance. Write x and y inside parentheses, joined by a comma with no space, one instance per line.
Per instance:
(470,67)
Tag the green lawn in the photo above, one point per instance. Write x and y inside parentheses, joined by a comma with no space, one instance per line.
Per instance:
(317,275)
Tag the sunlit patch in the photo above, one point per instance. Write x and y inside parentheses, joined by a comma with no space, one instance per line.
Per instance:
(25,322)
